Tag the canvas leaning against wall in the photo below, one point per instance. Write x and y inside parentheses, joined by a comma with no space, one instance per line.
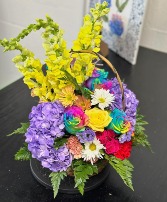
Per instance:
(122,26)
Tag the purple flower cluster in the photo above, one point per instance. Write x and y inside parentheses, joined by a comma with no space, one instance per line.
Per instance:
(46,124)
(131,104)
(125,137)
(117,93)
(87,135)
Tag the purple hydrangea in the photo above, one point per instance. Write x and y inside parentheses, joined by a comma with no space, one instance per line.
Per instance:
(131,104)
(46,124)
(115,89)
(58,160)
(87,135)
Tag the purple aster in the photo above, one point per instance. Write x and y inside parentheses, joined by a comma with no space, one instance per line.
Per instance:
(46,124)
(125,137)
(86,136)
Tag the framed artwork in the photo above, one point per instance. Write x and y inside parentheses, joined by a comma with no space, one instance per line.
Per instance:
(122,26)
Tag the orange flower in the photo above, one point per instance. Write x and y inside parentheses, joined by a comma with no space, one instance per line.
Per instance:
(74,147)
(82,102)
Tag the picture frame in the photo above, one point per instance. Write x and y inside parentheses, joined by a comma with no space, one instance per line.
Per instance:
(122,27)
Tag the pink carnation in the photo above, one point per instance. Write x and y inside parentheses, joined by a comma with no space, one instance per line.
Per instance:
(74,147)
(112,146)
(107,138)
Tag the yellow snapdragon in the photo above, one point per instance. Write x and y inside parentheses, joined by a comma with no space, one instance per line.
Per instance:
(47,84)
(89,38)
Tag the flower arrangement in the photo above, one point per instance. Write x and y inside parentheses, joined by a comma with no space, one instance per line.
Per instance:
(83,117)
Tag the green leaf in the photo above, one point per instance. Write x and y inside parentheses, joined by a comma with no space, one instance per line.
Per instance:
(56,178)
(84,91)
(140,138)
(82,171)
(122,6)
(59,142)
(123,167)
(105,18)
(23,154)
(21,130)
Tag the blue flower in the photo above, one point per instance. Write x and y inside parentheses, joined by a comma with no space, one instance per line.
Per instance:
(119,123)
(116,25)
(108,1)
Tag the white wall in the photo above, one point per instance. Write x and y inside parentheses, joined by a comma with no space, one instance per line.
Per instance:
(17,14)
(154,33)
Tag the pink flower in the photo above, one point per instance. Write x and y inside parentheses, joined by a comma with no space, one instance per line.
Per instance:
(74,147)
(107,138)
(106,85)
(112,146)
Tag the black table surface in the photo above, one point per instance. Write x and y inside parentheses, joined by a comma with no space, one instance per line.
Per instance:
(148,80)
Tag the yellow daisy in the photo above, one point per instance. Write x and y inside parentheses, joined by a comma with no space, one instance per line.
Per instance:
(67,96)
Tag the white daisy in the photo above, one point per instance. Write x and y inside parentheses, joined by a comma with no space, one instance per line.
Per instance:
(102,97)
(92,151)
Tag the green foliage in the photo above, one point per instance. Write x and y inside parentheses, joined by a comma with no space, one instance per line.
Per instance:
(105,18)
(84,91)
(122,6)
(13,43)
(123,167)
(56,178)
(82,171)
(23,154)
(140,138)
(59,142)
(21,130)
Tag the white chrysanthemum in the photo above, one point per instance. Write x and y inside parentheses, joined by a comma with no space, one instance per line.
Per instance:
(92,151)
(103,98)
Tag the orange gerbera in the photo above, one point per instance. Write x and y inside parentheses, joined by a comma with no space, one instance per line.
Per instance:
(82,102)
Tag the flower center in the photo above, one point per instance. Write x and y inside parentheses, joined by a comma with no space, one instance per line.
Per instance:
(92,147)
(102,100)
(69,97)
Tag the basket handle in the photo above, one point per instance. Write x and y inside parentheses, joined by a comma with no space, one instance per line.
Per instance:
(111,67)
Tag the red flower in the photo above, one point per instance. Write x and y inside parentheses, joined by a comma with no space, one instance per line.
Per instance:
(107,138)
(124,151)
(112,146)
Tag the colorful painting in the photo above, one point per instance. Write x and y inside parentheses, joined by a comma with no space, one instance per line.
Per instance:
(122,26)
